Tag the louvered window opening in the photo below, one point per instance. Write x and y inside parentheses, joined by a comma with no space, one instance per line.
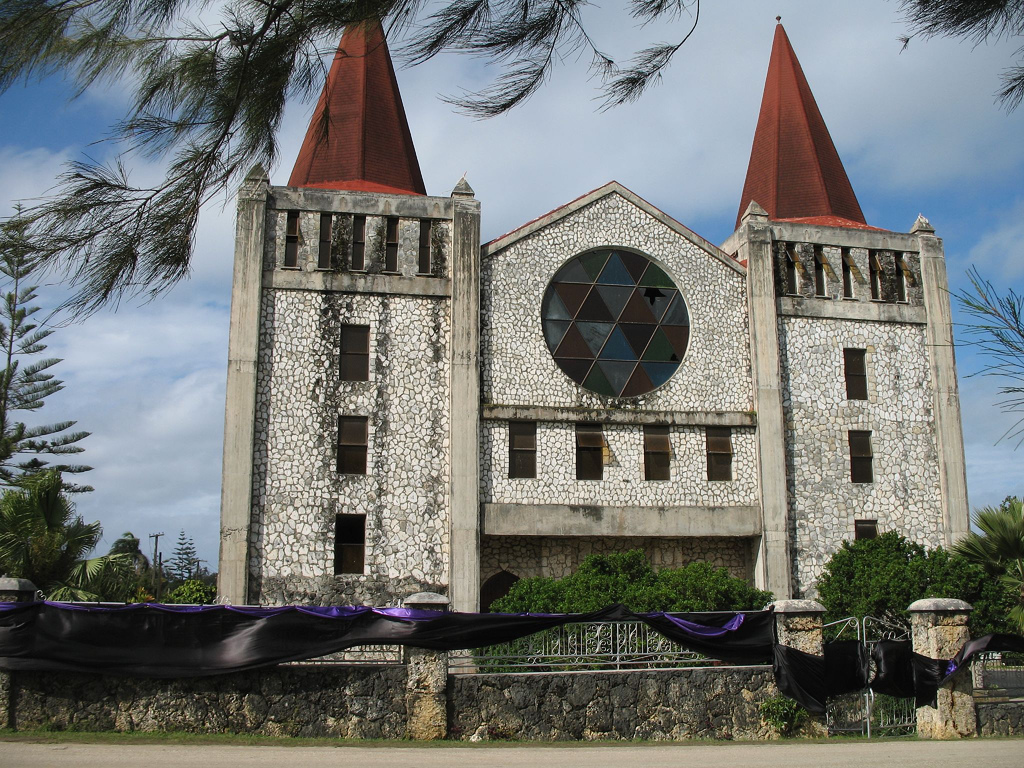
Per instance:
(349,543)
(391,245)
(657,453)
(291,240)
(323,259)
(358,263)
(820,284)
(860,457)
(590,450)
(352,443)
(522,449)
(719,449)
(856,371)
(355,353)
(424,267)
(847,274)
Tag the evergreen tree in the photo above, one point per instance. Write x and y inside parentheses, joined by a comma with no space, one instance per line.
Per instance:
(26,380)
(182,565)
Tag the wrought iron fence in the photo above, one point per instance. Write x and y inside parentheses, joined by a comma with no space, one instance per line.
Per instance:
(578,647)
(1003,672)
(866,712)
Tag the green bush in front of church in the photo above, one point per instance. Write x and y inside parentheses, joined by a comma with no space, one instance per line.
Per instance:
(880,577)
(629,578)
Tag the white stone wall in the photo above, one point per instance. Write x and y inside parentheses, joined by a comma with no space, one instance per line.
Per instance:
(297,489)
(623,483)
(517,368)
(557,557)
(905,495)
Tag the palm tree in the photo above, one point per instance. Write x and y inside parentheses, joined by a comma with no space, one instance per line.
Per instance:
(999,548)
(43,540)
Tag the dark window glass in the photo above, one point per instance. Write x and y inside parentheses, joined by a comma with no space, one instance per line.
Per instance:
(590,449)
(391,246)
(856,370)
(847,274)
(860,457)
(657,453)
(424,265)
(522,449)
(291,240)
(352,445)
(323,259)
(719,445)
(355,353)
(901,278)
(349,543)
(875,272)
(820,286)
(792,286)
(358,243)
(865,529)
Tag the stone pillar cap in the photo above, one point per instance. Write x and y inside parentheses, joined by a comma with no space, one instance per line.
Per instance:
(798,606)
(940,605)
(462,189)
(428,600)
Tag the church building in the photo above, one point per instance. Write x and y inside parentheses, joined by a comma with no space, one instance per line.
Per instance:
(411,410)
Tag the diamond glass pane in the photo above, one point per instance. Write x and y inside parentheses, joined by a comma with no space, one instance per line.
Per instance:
(623,311)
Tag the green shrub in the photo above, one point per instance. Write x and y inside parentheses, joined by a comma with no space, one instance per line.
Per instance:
(782,714)
(192,592)
(628,578)
(880,577)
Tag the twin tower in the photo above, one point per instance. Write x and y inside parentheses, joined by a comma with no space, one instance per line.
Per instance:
(409,410)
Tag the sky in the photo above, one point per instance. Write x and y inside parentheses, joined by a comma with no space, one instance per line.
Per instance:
(919,131)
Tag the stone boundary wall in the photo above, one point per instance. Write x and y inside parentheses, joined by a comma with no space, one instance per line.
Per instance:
(343,701)
(1001,719)
(667,705)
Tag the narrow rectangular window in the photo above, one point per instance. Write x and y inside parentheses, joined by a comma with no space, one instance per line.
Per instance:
(349,543)
(657,453)
(355,353)
(847,274)
(391,246)
(425,232)
(323,259)
(590,447)
(865,529)
(901,278)
(522,449)
(860,457)
(792,286)
(856,371)
(820,285)
(358,243)
(719,446)
(291,240)
(875,272)
(352,445)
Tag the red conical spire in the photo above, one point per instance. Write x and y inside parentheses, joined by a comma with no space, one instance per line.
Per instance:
(794,170)
(359,138)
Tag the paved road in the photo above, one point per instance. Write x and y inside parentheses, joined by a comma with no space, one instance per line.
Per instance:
(1007,753)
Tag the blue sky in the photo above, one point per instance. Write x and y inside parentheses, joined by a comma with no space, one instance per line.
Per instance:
(918,132)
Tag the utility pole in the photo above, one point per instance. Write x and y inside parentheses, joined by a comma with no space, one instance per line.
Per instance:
(156,563)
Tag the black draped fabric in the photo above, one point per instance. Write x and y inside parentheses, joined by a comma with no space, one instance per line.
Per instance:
(846,667)
(905,674)
(802,677)
(987,643)
(177,641)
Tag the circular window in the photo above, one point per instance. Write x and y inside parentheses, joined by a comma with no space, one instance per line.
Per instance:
(615,322)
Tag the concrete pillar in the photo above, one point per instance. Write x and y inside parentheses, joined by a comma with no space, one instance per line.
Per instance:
(464,580)
(939,630)
(772,566)
(12,591)
(949,434)
(426,697)
(240,410)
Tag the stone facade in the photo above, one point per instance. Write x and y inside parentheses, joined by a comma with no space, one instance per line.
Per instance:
(460,351)
(1001,719)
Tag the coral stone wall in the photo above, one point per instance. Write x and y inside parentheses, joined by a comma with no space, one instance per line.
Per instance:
(297,490)
(720,703)
(905,495)
(516,365)
(623,483)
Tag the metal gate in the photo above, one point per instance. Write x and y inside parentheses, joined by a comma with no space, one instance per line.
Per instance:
(868,713)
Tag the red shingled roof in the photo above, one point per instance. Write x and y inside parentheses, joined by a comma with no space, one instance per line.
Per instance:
(794,170)
(359,138)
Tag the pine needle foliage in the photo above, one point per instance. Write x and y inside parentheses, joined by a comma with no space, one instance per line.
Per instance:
(26,379)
